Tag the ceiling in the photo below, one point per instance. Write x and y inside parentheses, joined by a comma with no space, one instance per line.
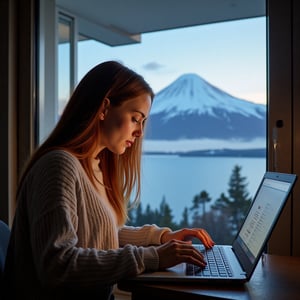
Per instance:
(119,22)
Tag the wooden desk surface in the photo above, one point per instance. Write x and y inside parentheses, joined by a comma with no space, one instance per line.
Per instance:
(278,277)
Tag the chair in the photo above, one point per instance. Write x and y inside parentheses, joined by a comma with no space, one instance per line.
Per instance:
(4,238)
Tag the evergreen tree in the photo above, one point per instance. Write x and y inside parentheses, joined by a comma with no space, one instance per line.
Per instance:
(203,199)
(131,217)
(198,201)
(239,194)
(236,204)
(184,223)
(165,215)
(139,217)
(222,204)
(218,227)
(195,211)
(149,216)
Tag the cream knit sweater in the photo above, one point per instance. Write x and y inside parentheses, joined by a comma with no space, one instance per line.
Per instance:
(64,238)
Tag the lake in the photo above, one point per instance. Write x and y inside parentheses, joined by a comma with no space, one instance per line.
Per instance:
(178,179)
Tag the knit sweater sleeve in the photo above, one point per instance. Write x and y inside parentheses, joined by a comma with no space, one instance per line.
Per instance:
(52,208)
(142,236)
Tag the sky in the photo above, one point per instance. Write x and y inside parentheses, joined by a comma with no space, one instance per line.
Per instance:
(229,55)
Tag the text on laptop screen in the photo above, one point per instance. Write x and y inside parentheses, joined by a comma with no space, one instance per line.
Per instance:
(262,214)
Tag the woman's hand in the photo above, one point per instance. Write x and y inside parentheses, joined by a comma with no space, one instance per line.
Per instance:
(187,234)
(175,252)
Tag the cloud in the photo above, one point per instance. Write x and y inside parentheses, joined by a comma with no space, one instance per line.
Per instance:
(153,66)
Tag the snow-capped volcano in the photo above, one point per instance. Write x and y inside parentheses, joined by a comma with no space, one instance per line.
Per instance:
(190,94)
(192,108)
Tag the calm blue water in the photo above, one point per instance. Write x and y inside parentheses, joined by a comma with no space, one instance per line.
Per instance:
(179,179)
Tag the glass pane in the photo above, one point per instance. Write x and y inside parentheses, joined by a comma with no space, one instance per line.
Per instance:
(64,61)
(205,146)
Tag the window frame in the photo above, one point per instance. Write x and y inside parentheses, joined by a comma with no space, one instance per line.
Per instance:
(282,56)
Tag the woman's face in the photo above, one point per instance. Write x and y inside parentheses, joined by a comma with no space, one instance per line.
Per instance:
(123,124)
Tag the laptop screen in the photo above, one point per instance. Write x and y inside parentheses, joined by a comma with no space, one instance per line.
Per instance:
(262,216)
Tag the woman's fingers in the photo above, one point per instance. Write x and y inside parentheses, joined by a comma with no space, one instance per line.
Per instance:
(205,238)
(186,234)
(176,252)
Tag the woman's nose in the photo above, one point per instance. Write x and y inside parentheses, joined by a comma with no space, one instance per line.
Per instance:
(139,132)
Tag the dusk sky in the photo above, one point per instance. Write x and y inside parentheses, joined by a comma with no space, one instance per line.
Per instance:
(230,55)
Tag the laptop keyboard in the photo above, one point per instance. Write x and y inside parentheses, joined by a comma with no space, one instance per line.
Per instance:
(217,265)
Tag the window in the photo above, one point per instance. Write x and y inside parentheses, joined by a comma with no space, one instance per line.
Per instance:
(58,39)
(186,171)
(66,60)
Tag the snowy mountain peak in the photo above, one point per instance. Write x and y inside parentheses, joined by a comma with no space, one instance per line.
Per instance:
(190,93)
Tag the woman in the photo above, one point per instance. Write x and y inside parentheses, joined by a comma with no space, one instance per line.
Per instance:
(68,236)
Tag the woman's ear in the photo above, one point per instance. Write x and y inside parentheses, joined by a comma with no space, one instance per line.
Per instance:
(102,116)
(106,103)
(104,108)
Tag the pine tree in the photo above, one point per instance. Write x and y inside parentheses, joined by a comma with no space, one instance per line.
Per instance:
(203,199)
(184,223)
(236,204)
(198,201)
(239,195)
(131,217)
(139,218)
(149,216)
(165,214)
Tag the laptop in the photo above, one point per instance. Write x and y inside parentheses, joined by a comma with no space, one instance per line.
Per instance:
(249,244)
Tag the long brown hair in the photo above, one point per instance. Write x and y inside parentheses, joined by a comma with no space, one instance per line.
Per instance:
(77,131)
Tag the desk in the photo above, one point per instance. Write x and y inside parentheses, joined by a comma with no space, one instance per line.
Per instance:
(275,278)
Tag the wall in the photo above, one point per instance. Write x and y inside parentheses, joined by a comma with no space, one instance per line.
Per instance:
(283,107)
(17,90)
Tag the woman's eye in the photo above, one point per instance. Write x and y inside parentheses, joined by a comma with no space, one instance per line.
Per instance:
(139,121)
